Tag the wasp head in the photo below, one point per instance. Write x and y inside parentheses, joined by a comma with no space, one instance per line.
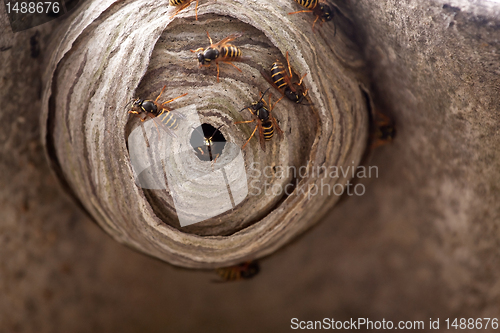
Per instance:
(256,106)
(201,59)
(137,103)
(294,96)
(207,56)
(325,12)
(250,270)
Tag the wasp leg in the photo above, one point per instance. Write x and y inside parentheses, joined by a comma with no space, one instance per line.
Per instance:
(210,39)
(253,133)
(138,114)
(181,8)
(156,125)
(317,17)
(272,107)
(288,62)
(146,117)
(217,64)
(196,10)
(278,101)
(161,92)
(301,11)
(197,50)
(227,62)
(244,122)
(173,99)
(214,161)
(302,78)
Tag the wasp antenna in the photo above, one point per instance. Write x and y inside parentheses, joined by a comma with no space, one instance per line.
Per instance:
(217,130)
(196,129)
(317,17)
(264,94)
(129,103)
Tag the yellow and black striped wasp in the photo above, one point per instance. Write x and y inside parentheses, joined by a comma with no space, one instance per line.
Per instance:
(382,128)
(282,81)
(382,131)
(320,9)
(208,148)
(183,4)
(161,114)
(221,51)
(266,123)
(243,271)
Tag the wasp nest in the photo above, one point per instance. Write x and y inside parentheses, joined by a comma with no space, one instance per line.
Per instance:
(114,51)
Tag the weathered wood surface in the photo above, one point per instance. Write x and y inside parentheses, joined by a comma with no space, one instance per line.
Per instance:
(132,50)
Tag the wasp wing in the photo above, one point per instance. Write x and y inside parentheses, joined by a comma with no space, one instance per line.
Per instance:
(271,82)
(178,114)
(277,127)
(227,40)
(164,127)
(261,136)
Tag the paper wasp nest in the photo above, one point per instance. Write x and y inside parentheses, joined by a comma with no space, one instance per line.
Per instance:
(112,52)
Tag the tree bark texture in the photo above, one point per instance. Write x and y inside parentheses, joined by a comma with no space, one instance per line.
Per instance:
(421,243)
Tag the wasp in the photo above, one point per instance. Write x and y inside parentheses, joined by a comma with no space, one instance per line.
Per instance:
(244,271)
(383,131)
(183,4)
(282,81)
(161,114)
(221,51)
(210,150)
(266,123)
(321,10)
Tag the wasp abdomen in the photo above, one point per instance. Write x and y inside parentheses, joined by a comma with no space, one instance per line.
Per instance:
(176,2)
(277,71)
(168,119)
(242,271)
(230,52)
(229,274)
(268,130)
(310,4)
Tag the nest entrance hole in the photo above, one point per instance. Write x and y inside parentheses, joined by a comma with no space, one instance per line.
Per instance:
(208,142)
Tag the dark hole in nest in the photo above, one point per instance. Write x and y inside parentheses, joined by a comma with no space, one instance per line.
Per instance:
(207,142)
